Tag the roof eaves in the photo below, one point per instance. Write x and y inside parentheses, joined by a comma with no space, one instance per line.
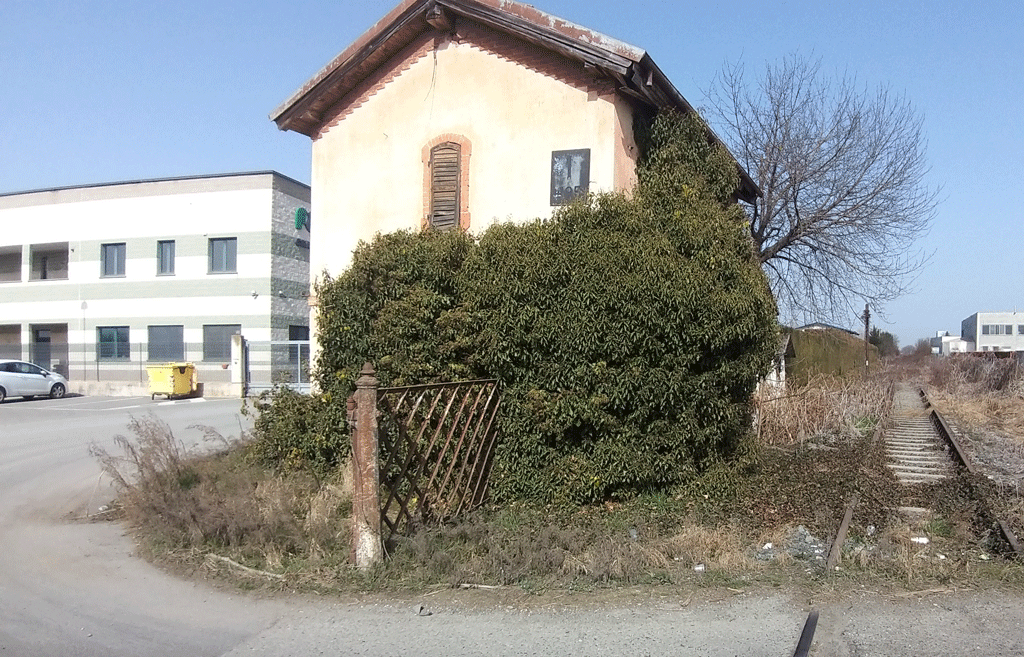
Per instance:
(531,24)
(646,81)
(144,181)
(368,42)
(528,21)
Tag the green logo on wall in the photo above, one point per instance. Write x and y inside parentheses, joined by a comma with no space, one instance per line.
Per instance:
(301,219)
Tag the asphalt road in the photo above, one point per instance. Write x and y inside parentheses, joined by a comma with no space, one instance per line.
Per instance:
(74,588)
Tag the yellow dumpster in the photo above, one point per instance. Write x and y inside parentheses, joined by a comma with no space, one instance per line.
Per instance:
(172,379)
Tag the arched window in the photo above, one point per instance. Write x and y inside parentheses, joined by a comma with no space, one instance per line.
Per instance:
(445,185)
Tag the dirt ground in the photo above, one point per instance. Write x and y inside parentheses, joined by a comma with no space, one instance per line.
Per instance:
(646,621)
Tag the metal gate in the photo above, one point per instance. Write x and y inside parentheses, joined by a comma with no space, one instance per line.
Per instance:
(278,363)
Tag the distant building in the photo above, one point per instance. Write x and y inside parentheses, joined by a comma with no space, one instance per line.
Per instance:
(944,344)
(98,281)
(784,354)
(994,331)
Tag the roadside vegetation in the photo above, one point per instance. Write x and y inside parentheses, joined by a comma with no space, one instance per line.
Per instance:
(629,335)
(223,511)
(765,521)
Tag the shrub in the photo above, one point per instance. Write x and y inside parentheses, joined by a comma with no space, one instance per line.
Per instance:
(294,431)
(398,306)
(629,333)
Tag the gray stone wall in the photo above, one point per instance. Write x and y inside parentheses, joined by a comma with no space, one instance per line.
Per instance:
(289,250)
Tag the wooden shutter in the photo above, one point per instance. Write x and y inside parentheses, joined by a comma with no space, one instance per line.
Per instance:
(445,179)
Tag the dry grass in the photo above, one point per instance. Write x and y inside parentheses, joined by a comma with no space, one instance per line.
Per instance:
(970,376)
(293,530)
(989,410)
(726,547)
(981,392)
(609,544)
(192,504)
(827,406)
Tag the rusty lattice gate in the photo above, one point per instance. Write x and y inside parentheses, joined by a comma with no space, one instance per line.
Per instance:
(420,454)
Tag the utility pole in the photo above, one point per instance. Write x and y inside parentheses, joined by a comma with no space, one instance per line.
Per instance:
(867,334)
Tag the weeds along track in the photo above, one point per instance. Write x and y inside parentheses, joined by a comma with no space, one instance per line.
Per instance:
(923,449)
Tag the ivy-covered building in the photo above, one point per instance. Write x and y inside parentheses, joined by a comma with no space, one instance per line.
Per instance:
(464,113)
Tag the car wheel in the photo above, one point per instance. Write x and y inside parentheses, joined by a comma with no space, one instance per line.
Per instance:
(3,394)
(57,391)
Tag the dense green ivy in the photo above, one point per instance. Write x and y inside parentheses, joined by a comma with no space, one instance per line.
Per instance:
(628,332)
(399,306)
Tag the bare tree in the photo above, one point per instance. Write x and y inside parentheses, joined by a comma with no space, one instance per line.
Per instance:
(841,168)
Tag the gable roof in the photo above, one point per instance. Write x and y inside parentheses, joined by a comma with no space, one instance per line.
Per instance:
(633,70)
(818,326)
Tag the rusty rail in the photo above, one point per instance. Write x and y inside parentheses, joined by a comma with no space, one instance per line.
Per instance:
(959,455)
(837,543)
(803,646)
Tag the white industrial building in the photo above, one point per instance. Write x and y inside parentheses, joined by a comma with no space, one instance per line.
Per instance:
(994,331)
(98,281)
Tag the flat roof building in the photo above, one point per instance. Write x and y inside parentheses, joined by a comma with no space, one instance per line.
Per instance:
(998,331)
(97,281)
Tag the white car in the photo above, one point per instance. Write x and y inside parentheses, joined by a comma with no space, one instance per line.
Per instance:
(21,379)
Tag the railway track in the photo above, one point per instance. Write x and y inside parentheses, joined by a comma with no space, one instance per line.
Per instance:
(963,461)
(923,449)
(915,449)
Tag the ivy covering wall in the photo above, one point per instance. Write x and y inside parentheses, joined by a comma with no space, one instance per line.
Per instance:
(628,331)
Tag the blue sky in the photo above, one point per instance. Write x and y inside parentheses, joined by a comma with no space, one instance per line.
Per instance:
(113,90)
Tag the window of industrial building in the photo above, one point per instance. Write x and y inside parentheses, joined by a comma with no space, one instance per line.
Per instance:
(570,175)
(112,343)
(112,258)
(997,329)
(10,341)
(48,262)
(10,264)
(165,257)
(223,255)
(217,341)
(298,352)
(166,343)
(1020,329)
